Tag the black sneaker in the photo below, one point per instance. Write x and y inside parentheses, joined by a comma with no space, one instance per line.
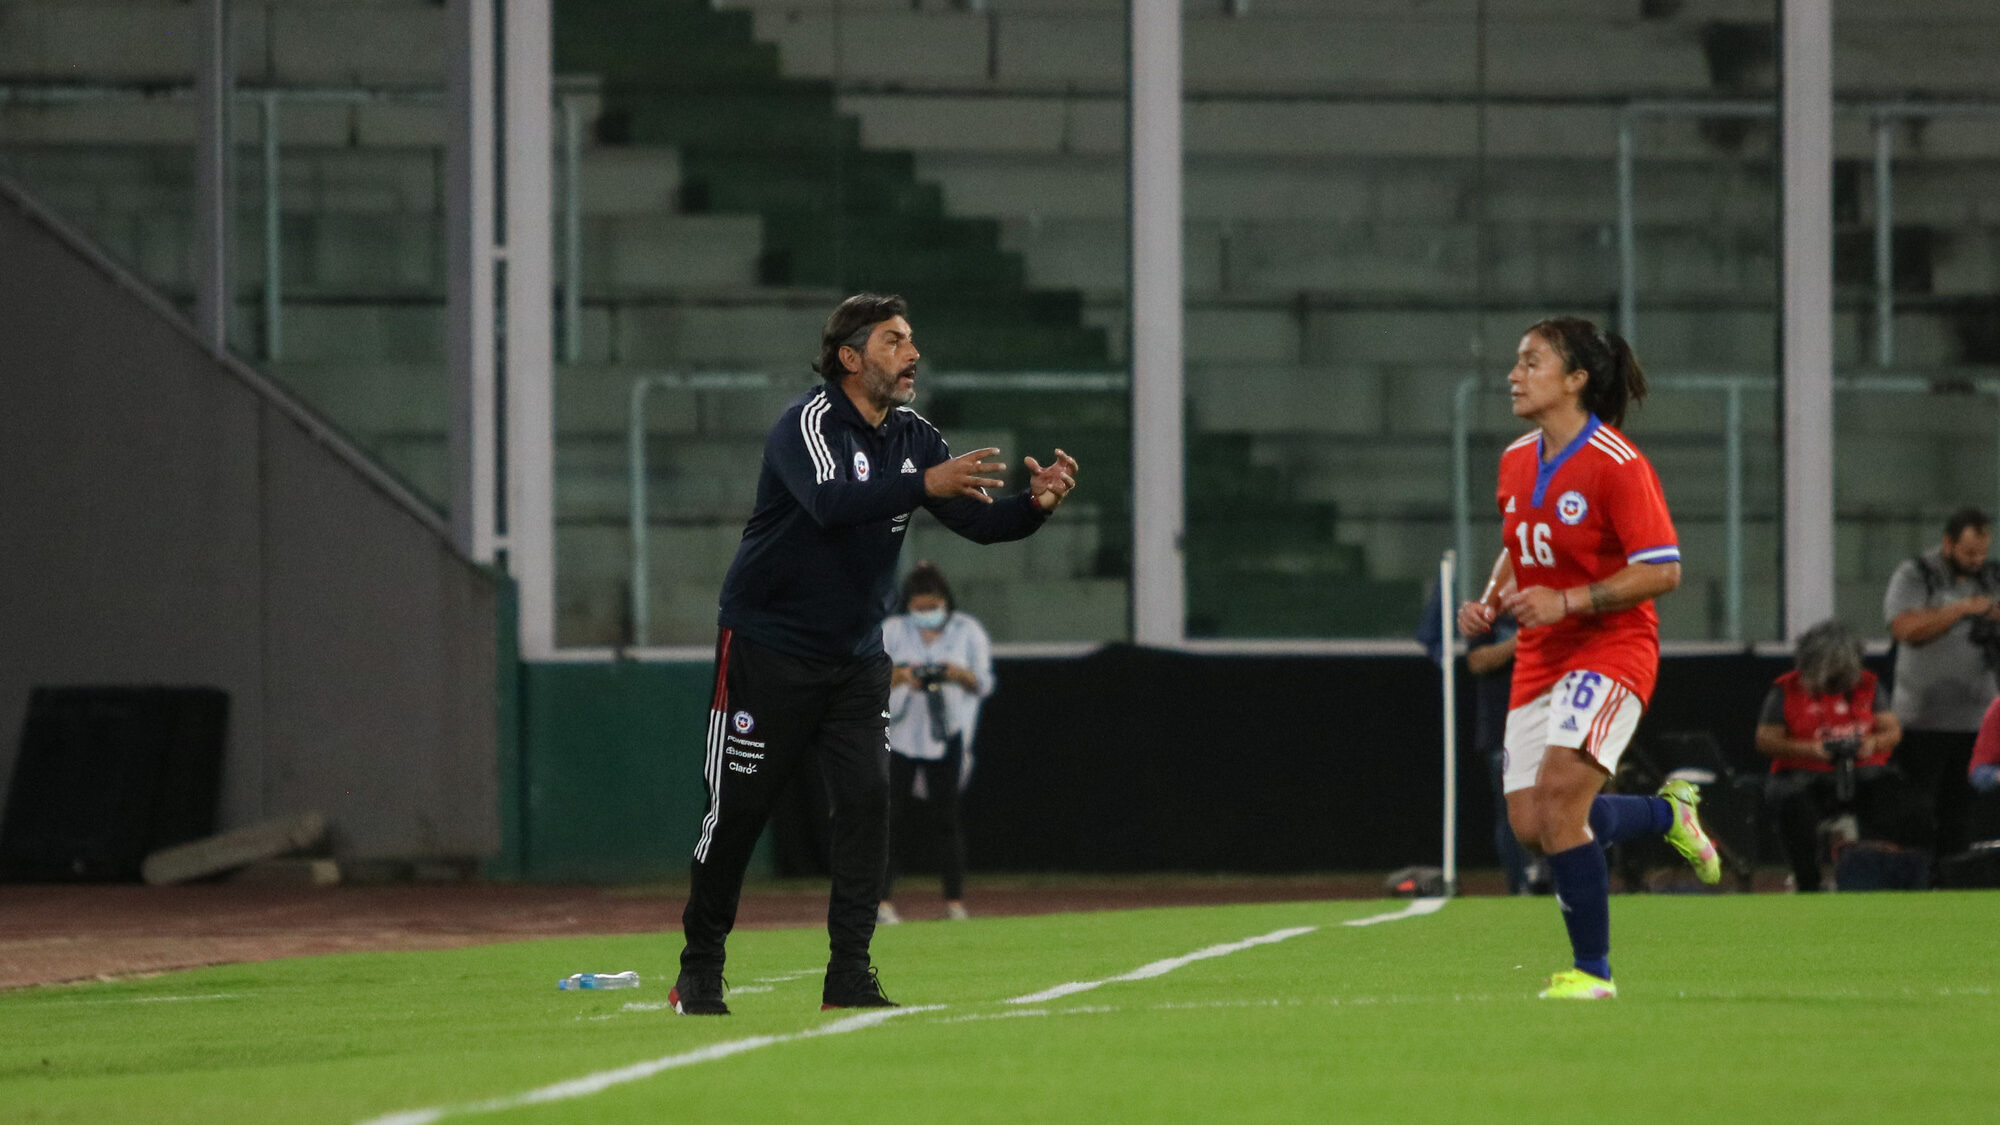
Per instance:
(698,993)
(853,988)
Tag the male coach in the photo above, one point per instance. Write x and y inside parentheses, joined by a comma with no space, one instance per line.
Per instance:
(799,666)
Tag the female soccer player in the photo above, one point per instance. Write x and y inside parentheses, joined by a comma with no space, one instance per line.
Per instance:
(1588,546)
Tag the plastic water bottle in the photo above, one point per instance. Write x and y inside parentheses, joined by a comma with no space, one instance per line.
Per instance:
(590,982)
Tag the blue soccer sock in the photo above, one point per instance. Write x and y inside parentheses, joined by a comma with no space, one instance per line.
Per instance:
(1615,819)
(1583,890)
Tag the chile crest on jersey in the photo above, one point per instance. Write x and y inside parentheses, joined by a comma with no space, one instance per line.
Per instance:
(1571,507)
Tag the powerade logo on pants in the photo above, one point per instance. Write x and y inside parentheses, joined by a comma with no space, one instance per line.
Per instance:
(743,723)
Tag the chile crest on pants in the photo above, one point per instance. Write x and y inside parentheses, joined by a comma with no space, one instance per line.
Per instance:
(743,723)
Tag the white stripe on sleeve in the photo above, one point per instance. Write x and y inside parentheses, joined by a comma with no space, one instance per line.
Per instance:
(809,419)
(1610,448)
(1617,442)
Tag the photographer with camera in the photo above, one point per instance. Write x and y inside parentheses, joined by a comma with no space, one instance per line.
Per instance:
(1829,733)
(943,668)
(1941,608)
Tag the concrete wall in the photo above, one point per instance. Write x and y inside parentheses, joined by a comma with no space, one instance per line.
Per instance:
(171,518)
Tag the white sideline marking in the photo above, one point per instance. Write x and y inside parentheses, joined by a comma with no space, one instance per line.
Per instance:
(161,999)
(1018,1013)
(178,999)
(603,1080)
(1161,968)
(1417,909)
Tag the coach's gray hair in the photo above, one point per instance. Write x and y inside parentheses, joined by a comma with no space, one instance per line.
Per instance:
(1829,659)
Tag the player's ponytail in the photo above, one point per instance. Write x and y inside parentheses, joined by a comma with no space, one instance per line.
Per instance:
(1616,382)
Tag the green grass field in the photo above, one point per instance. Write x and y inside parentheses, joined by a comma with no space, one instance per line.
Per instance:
(1865,1008)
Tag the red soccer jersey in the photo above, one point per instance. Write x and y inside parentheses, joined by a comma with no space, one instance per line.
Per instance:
(1583,516)
(1850,714)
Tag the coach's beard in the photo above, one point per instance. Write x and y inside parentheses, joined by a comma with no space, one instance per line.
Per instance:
(889,389)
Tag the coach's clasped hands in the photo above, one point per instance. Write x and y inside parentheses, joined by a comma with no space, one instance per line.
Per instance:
(1049,486)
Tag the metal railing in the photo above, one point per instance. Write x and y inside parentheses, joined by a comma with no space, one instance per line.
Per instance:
(1732,388)
(638,514)
(571,95)
(1883,117)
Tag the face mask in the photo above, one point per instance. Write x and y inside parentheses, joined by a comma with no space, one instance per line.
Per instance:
(929,618)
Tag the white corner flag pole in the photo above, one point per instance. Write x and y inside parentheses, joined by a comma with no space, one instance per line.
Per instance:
(1447,568)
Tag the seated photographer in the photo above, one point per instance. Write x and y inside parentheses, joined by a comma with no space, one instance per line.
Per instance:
(943,668)
(1829,734)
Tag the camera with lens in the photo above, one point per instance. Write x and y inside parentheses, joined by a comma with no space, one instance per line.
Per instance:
(928,676)
(1843,751)
(1986,635)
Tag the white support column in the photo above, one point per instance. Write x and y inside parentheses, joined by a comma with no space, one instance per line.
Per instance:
(529,358)
(274,257)
(1159,579)
(469,203)
(1807,134)
(1885,242)
(214,179)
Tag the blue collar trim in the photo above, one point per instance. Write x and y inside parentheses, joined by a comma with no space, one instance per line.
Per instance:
(1546,470)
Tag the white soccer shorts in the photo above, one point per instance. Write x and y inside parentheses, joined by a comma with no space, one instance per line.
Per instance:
(1586,711)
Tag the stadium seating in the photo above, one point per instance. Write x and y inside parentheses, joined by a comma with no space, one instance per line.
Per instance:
(1360,238)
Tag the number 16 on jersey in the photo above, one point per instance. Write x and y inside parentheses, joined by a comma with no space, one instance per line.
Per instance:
(1535,547)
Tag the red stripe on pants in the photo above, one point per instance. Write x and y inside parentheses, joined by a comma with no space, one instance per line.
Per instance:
(722,670)
(1601,728)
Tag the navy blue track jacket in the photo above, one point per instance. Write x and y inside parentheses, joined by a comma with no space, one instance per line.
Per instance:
(816,571)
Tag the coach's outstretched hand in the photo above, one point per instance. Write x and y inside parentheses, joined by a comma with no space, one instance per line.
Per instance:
(1049,486)
(960,476)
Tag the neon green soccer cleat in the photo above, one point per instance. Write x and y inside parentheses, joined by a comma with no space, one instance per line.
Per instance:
(1575,984)
(1686,835)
